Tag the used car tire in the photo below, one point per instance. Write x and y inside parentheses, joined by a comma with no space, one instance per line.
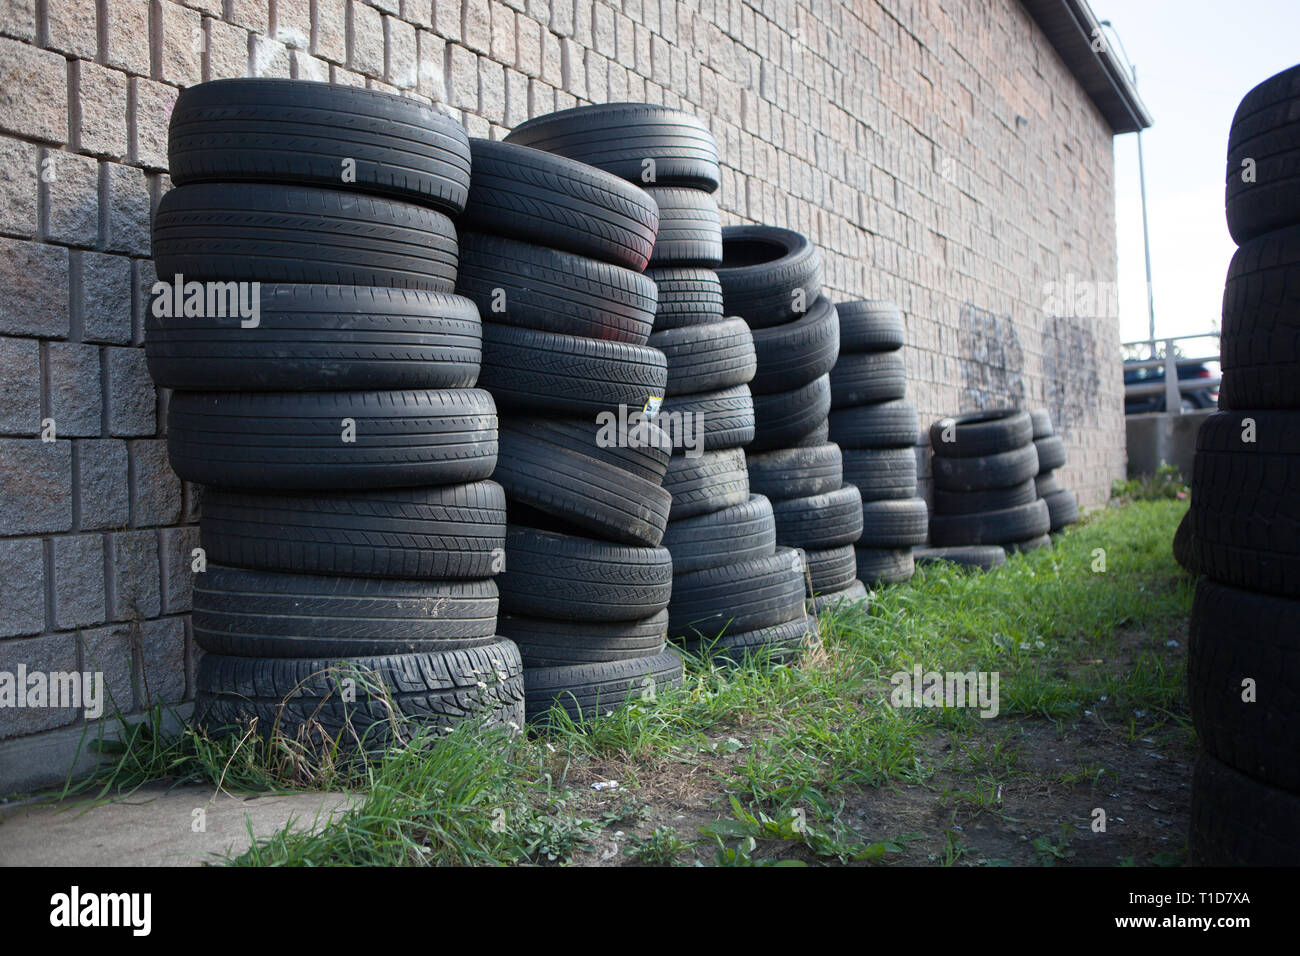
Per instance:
(687,296)
(313,337)
(780,642)
(1051,452)
(263,232)
(1260,341)
(1238,821)
(251,613)
(853,594)
(889,424)
(782,418)
(831,569)
(738,597)
(736,533)
(991,527)
(1041,421)
(894,523)
(867,378)
(768,275)
(690,227)
(707,482)
(870,325)
(978,434)
(295,440)
(990,499)
(877,566)
(585,691)
(1063,508)
(797,352)
(706,358)
(1266,131)
(983,472)
(446,531)
(820,521)
(299,132)
(722,419)
(796,472)
(983,557)
(544,643)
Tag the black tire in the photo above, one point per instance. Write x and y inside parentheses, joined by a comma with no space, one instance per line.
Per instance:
(1046,483)
(768,275)
(721,419)
(1029,544)
(570,578)
(831,569)
(978,434)
(1237,636)
(737,533)
(588,493)
(257,232)
(1243,511)
(535,372)
(820,435)
(1265,131)
(707,482)
(795,353)
(1063,508)
(690,227)
(894,523)
(546,199)
(780,642)
(796,472)
(544,643)
(991,527)
(738,597)
(302,133)
(311,337)
(586,691)
(886,425)
(867,378)
(1051,452)
(877,566)
(451,531)
(992,499)
(870,325)
(1237,821)
(1041,422)
(782,418)
(881,473)
(983,557)
(706,358)
(302,698)
(984,472)
(821,521)
(1184,550)
(534,287)
(620,137)
(853,594)
(294,440)
(687,296)
(1260,343)
(247,613)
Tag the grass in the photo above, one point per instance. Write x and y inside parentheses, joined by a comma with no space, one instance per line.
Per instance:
(783,758)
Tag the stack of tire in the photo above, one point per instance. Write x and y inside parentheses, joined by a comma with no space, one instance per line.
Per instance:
(876,428)
(1062,505)
(349,535)
(1243,671)
(984,467)
(772,279)
(733,591)
(553,252)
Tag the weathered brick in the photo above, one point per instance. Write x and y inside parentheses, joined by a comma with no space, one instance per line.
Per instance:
(22,598)
(157,489)
(20,387)
(35,486)
(226,51)
(44,655)
(446,19)
(492,91)
(18,19)
(102,110)
(253,15)
(102,489)
(132,402)
(433,66)
(126,29)
(476,26)
(33,92)
(79,599)
(400,53)
(105,298)
(137,581)
(179,57)
(33,288)
(503,35)
(529,42)
(162,660)
(127,201)
(419,12)
(75,397)
(462,91)
(177,555)
(18,186)
(72,27)
(562,18)
(293,23)
(331,36)
(552,60)
(366,30)
(306,67)
(110,651)
(70,184)
(269,58)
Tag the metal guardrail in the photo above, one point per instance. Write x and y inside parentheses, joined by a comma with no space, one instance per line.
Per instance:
(1173,387)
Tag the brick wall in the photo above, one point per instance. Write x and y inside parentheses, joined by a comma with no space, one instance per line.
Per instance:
(938,152)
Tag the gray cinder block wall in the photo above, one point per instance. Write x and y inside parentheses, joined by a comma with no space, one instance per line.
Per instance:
(940,154)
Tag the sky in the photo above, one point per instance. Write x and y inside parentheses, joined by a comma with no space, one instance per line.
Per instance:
(1195,60)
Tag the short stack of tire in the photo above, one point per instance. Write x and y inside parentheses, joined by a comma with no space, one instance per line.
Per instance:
(1062,505)
(1243,526)
(349,535)
(733,591)
(984,468)
(772,279)
(553,254)
(877,430)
